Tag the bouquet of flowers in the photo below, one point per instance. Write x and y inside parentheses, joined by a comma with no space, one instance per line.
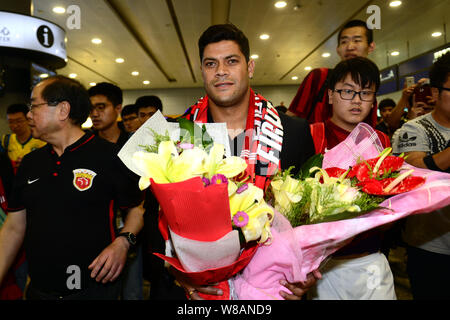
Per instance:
(357,187)
(212,222)
(337,194)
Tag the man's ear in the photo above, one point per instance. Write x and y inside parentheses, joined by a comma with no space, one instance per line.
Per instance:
(330,96)
(64,110)
(371,47)
(435,93)
(118,108)
(251,68)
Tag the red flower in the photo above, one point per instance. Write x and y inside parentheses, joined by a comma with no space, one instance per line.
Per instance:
(335,172)
(364,170)
(378,187)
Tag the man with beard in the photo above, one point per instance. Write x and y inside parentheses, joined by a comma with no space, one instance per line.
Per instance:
(266,139)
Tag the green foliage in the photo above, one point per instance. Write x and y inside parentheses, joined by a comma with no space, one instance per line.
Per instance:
(314,161)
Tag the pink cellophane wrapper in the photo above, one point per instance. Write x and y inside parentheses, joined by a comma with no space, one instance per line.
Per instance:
(295,252)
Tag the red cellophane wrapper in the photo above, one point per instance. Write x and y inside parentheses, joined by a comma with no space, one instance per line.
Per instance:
(197,220)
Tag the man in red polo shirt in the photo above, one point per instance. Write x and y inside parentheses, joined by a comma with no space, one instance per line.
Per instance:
(311,103)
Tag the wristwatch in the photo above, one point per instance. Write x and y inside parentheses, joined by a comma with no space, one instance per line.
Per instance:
(131,237)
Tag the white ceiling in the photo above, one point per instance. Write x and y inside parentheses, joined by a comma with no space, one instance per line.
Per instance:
(144,33)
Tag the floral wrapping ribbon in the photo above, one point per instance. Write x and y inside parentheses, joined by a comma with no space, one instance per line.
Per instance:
(263,137)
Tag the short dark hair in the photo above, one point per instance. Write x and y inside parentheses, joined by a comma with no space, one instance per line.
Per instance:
(129,109)
(149,101)
(60,88)
(112,92)
(220,32)
(440,71)
(386,103)
(16,108)
(363,71)
(357,23)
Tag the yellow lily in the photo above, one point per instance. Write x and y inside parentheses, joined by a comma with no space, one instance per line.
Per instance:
(215,163)
(167,166)
(286,192)
(259,213)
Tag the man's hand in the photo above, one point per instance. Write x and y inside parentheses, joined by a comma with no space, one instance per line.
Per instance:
(300,288)
(192,289)
(109,264)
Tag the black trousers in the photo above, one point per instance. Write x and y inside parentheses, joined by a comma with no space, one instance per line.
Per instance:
(97,291)
(429,274)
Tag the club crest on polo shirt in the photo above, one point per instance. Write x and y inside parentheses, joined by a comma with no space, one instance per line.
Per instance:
(83,179)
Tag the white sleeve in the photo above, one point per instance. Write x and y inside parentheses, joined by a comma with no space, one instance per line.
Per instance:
(410,137)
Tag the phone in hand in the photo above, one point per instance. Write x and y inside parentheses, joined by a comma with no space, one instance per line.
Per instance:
(422,92)
(409,81)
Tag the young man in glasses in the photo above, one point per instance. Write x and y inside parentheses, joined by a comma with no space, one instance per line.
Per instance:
(426,142)
(352,90)
(130,118)
(106,100)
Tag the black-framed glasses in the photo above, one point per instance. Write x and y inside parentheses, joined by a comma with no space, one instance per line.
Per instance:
(146,114)
(31,106)
(348,94)
(129,119)
(444,88)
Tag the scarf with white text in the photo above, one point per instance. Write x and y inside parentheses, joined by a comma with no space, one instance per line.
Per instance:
(263,137)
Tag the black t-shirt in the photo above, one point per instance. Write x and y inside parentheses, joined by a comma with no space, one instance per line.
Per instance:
(297,147)
(6,173)
(69,202)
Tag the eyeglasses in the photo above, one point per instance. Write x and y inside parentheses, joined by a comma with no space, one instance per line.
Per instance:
(146,114)
(129,119)
(16,121)
(31,106)
(443,88)
(348,94)
(99,107)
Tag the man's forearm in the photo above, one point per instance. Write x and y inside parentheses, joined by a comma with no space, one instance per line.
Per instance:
(393,120)
(134,220)
(441,160)
(11,238)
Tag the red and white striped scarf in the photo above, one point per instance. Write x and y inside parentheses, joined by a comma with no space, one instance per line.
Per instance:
(263,137)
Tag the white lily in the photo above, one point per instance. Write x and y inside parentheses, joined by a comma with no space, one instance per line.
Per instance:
(286,192)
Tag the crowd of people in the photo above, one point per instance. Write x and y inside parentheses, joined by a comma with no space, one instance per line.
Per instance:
(76,226)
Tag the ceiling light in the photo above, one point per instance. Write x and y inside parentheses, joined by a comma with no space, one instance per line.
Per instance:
(43,75)
(294,78)
(436,34)
(120,60)
(96,41)
(308,68)
(326,54)
(59,10)
(280,4)
(254,56)
(264,36)
(146,82)
(135,73)
(395,53)
(92,84)
(72,75)
(394,4)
